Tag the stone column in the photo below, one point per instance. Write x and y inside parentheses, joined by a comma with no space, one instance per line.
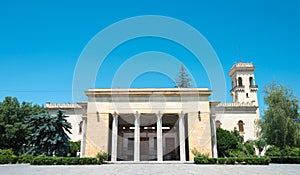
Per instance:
(159,137)
(137,137)
(214,134)
(114,140)
(182,136)
(83,137)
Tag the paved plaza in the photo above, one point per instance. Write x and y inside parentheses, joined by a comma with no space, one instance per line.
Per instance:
(146,169)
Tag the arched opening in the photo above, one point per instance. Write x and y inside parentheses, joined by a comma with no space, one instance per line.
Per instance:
(241,126)
(218,124)
(240,81)
(251,81)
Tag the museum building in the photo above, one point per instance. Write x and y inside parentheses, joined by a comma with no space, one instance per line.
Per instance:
(162,124)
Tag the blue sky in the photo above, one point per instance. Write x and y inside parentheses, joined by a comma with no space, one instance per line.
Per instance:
(41,41)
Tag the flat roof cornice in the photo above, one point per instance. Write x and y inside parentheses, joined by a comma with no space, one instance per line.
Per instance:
(148,91)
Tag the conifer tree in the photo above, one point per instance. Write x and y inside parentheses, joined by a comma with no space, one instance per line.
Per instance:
(183,80)
(48,134)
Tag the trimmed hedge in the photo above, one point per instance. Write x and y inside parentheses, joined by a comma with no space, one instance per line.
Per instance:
(285,160)
(44,160)
(233,160)
(25,159)
(4,159)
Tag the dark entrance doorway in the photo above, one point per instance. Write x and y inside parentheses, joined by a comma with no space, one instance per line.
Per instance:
(170,137)
(148,151)
(125,144)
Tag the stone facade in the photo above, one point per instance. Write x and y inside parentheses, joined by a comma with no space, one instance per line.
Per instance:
(161,124)
(243,112)
(178,118)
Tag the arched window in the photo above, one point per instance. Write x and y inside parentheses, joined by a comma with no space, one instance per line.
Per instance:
(251,81)
(218,124)
(80,128)
(240,81)
(241,126)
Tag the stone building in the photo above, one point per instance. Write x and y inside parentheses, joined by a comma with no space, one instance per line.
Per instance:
(243,112)
(162,124)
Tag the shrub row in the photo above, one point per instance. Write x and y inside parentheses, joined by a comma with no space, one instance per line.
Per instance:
(285,160)
(233,160)
(6,159)
(44,160)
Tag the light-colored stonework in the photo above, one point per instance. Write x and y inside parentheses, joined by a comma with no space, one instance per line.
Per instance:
(244,107)
(189,107)
(161,124)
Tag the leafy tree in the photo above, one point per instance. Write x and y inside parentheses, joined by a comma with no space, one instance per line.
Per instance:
(12,123)
(183,80)
(237,134)
(225,141)
(74,147)
(279,127)
(231,144)
(260,145)
(48,134)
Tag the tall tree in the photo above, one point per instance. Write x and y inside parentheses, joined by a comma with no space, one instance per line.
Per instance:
(48,134)
(279,127)
(12,123)
(183,80)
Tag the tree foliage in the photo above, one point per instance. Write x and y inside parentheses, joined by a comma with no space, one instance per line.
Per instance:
(260,145)
(48,134)
(225,141)
(231,144)
(183,80)
(279,127)
(74,148)
(12,123)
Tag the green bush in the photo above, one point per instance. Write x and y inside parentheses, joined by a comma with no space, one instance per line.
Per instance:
(24,159)
(233,160)
(230,161)
(240,160)
(294,152)
(44,160)
(5,159)
(286,152)
(74,147)
(212,160)
(290,152)
(201,160)
(102,157)
(273,151)
(6,152)
(285,160)
(221,161)
(249,149)
(266,161)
